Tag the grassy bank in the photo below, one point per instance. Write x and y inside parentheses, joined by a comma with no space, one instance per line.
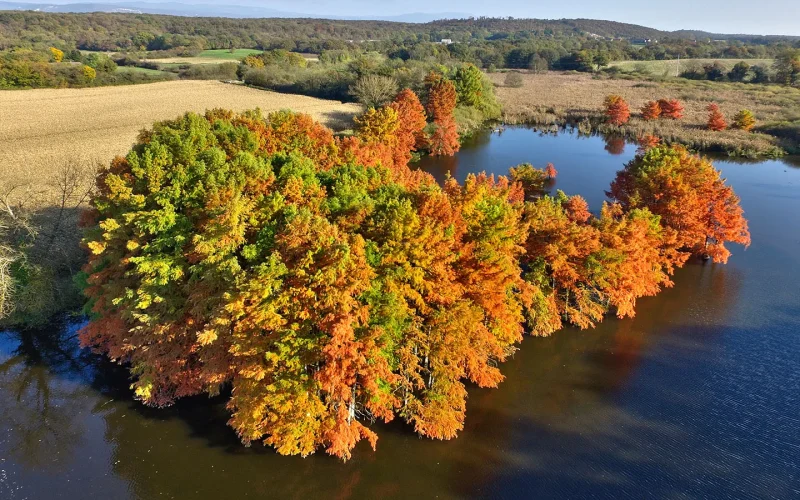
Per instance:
(568,98)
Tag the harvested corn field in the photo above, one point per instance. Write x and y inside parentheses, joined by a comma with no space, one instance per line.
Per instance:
(41,130)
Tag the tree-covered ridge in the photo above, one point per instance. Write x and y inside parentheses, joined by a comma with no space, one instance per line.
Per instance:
(329,285)
(112,31)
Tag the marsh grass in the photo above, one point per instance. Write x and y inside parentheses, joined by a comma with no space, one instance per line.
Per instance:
(571,98)
(670,66)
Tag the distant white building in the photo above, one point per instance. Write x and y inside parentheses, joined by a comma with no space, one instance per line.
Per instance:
(446,41)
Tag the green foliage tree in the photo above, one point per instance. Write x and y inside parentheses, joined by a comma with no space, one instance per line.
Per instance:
(739,72)
(468,80)
(787,67)
(100,62)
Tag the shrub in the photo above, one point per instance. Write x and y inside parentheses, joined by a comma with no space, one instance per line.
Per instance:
(223,71)
(514,79)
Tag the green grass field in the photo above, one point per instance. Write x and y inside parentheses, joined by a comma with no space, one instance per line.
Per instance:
(236,55)
(670,66)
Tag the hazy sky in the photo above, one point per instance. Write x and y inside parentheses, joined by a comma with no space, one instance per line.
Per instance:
(725,16)
(722,16)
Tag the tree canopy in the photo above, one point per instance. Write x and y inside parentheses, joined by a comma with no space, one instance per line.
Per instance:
(325,284)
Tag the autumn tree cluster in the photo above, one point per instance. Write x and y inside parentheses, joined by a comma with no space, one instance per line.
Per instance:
(325,285)
(663,108)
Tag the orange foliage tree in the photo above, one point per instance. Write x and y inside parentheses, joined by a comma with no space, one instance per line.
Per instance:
(442,97)
(616,110)
(716,120)
(698,210)
(651,111)
(411,132)
(670,108)
(550,171)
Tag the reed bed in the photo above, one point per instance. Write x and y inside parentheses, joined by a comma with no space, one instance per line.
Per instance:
(561,98)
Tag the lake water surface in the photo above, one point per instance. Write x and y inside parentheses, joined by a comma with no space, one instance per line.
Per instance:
(696,397)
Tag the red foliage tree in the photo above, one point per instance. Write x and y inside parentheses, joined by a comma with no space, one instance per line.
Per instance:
(716,120)
(550,171)
(617,110)
(442,97)
(651,110)
(671,108)
(444,139)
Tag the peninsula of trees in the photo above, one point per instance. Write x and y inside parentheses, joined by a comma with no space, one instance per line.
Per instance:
(323,284)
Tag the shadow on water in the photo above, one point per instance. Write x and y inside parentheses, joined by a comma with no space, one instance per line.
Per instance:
(696,396)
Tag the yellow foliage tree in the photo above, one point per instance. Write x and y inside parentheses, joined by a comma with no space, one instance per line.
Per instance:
(58,55)
(89,73)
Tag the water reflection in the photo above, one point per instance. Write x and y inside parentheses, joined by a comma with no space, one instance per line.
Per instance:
(40,411)
(615,145)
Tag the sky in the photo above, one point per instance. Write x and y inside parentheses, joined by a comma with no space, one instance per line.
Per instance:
(722,16)
(777,17)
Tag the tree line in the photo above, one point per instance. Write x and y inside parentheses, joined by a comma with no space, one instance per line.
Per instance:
(582,45)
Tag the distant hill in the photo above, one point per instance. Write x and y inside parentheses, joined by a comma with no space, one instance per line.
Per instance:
(208,10)
(703,35)
(111,26)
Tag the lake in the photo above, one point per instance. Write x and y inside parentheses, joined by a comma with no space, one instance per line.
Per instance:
(697,396)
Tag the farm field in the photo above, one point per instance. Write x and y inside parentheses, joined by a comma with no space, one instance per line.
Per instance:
(227,54)
(213,56)
(135,69)
(553,98)
(42,129)
(671,66)
(218,56)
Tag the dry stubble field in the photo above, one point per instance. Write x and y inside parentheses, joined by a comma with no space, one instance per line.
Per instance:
(553,97)
(40,130)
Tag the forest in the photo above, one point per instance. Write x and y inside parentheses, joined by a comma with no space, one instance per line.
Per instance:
(322,284)
(72,50)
